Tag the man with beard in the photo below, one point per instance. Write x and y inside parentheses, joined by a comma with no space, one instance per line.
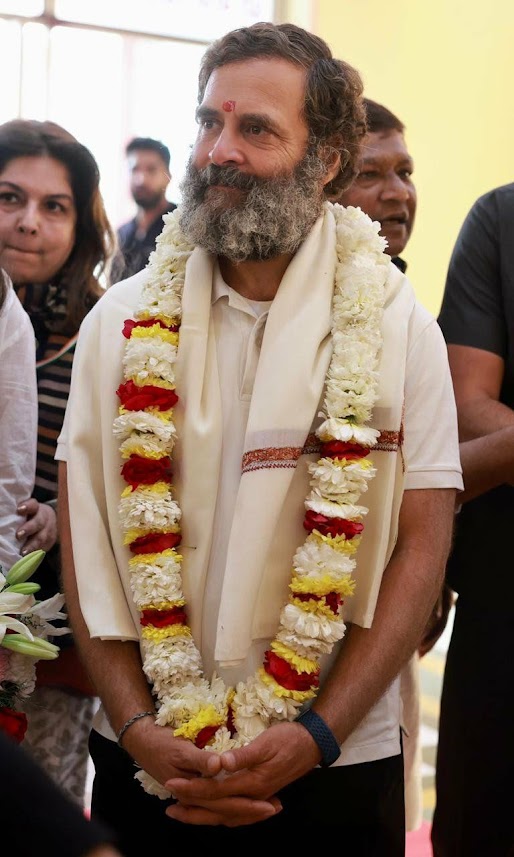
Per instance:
(234,706)
(149,164)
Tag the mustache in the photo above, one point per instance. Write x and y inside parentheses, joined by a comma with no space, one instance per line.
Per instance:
(229,177)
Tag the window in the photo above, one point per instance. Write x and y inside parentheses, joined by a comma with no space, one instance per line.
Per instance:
(104,83)
(199,20)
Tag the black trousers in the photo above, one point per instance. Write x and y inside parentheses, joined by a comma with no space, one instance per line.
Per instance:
(362,805)
(475,759)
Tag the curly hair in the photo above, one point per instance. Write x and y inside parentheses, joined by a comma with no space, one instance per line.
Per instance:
(95,242)
(333,108)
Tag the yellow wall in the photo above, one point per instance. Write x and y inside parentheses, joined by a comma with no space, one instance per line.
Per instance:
(446,67)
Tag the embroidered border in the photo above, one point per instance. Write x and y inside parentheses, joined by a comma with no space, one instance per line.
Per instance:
(271,457)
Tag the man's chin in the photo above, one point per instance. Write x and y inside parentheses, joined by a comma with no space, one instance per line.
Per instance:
(397,237)
(229,196)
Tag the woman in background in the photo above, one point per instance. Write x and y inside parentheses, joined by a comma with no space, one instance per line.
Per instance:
(18,418)
(55,243)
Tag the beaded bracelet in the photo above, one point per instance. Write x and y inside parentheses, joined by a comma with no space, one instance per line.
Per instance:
(130,722)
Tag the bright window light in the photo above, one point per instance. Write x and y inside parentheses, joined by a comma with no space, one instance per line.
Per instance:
(25,8)
(201,20)
(10,39)
(34,71)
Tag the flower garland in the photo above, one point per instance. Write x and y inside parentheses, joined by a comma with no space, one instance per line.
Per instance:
(209,713)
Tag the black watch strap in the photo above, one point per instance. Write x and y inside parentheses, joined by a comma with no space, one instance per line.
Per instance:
(323,736)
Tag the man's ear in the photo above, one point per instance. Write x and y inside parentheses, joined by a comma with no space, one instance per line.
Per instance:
(330,152)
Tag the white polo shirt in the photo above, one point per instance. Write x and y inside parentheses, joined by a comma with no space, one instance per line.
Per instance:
(432,461)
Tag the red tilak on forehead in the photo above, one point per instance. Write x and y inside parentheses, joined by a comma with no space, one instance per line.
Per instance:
(229,106)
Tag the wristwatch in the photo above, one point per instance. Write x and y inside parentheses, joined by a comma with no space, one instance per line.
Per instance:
(323,736)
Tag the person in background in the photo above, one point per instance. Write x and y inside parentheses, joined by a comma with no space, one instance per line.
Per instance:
(383,186)
(384,189)
(54,824)
(18,418)
(55,244)
(148,164)
(475,756)
(269,291)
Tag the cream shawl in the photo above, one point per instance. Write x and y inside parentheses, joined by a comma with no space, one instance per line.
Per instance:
(267,526)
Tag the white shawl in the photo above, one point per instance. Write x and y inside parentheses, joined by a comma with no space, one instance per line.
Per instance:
(267,526)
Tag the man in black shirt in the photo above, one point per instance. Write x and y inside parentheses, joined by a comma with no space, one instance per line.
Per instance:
(475,760)
(148,162)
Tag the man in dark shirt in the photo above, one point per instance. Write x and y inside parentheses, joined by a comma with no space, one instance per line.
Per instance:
(475,759)
(148,162)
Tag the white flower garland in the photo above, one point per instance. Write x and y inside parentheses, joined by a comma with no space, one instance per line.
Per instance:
(310,623)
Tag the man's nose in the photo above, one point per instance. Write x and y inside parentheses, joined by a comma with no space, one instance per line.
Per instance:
(395,188)
(226,149)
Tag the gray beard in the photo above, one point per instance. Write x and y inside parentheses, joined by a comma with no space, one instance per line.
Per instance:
(274,215)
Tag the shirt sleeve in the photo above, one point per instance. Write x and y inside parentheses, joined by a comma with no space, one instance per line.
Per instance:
(472,310)
(18,421)
(431,447)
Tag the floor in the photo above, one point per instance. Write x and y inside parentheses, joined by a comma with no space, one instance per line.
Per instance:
(431,677)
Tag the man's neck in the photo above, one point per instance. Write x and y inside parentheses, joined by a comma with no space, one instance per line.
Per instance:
(146,216)
(255,280)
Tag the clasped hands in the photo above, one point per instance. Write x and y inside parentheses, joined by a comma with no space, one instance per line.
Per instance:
(239,787)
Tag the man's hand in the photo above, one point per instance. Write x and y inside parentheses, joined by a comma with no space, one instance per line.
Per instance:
(437,620)
(160,754)
(39,532)
(253,776)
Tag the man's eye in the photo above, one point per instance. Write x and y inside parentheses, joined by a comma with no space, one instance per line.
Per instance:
(8,196)
(368,175)
(255,130)
(405,174)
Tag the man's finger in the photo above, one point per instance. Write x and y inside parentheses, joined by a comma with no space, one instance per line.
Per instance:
(239,759)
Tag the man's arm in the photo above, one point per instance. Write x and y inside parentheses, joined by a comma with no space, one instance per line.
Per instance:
(116,671)
(486,425)
(411,582)
(369,660)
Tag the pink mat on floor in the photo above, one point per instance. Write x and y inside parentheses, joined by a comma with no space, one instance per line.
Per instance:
(418,842)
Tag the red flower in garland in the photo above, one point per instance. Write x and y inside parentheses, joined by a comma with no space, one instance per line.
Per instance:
(13,723)
(131,323)
(231,726)
(155,542)
(205,735)
(331,526)
(146,471)
(286,676)
(332,599)
(163,618)
(342,449)
(135,398)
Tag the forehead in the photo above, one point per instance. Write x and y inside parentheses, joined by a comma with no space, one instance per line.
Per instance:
(274,85)
(41,174)
(385,146)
